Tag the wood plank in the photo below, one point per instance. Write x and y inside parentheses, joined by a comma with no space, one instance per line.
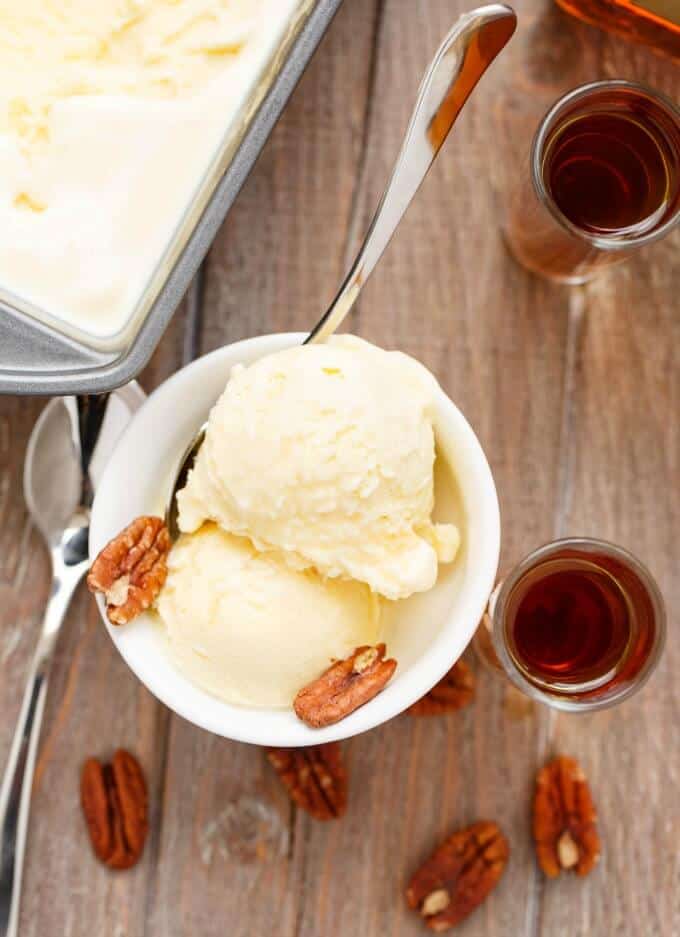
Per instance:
(448,293)
(279,257)
(434,796)
(227,841)
(174,349)
(625,452)
(23,563)
(94,706)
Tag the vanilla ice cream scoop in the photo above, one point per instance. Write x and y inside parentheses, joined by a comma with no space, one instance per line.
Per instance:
(325,454)
(249,629)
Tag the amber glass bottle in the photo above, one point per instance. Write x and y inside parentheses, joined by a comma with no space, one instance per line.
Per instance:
(654,22)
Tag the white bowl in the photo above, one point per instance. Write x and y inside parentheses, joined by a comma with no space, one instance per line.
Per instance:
(426,633)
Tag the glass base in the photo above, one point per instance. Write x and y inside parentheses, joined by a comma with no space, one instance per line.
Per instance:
(567,278)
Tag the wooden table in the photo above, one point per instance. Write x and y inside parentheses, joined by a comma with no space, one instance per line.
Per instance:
(575,396)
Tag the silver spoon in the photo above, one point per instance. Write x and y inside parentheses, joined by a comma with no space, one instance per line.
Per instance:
(59,490)
(461,60)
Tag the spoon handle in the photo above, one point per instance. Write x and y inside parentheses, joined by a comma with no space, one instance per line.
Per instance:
(461,60)
(15,793)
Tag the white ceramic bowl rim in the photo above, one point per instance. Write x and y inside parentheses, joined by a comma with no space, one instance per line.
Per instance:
(180,394)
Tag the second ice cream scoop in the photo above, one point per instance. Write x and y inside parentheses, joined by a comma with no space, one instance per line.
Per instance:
(248,629)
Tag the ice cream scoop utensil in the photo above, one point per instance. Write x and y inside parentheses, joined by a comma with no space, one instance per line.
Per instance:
(461,60)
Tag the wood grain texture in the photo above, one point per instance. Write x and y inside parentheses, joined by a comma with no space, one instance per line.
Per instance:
(226,819)
(623,442)
(94,706)
(624,486)
(576,403)
(447,293)
(23,563)
(280,254)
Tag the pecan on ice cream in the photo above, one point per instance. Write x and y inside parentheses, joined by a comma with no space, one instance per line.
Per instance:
(344,686)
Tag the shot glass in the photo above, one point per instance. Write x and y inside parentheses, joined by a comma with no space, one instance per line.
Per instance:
(579,625)
(603,180)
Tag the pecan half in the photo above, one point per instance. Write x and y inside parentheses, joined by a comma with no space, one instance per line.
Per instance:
(344,687)
(458,875)
(315,777)
(564,824)
(454,691)
(114,801)
(132,569)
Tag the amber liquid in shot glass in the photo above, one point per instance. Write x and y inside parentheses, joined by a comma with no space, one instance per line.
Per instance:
(607,173)
(579,624)
(604,179)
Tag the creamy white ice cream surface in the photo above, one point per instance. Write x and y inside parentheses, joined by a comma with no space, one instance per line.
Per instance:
(249,629)
(325,454)
(309,505)
(111,112)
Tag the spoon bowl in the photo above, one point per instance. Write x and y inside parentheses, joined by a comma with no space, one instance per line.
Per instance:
(52,474)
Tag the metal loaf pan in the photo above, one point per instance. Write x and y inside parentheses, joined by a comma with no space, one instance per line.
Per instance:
(38,359)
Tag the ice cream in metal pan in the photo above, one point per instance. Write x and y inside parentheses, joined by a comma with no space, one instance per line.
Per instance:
(111,114)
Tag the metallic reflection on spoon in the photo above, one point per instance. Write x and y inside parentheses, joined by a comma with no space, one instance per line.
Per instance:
(185,466)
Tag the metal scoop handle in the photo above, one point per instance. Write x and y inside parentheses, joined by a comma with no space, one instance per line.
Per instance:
(461,60)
